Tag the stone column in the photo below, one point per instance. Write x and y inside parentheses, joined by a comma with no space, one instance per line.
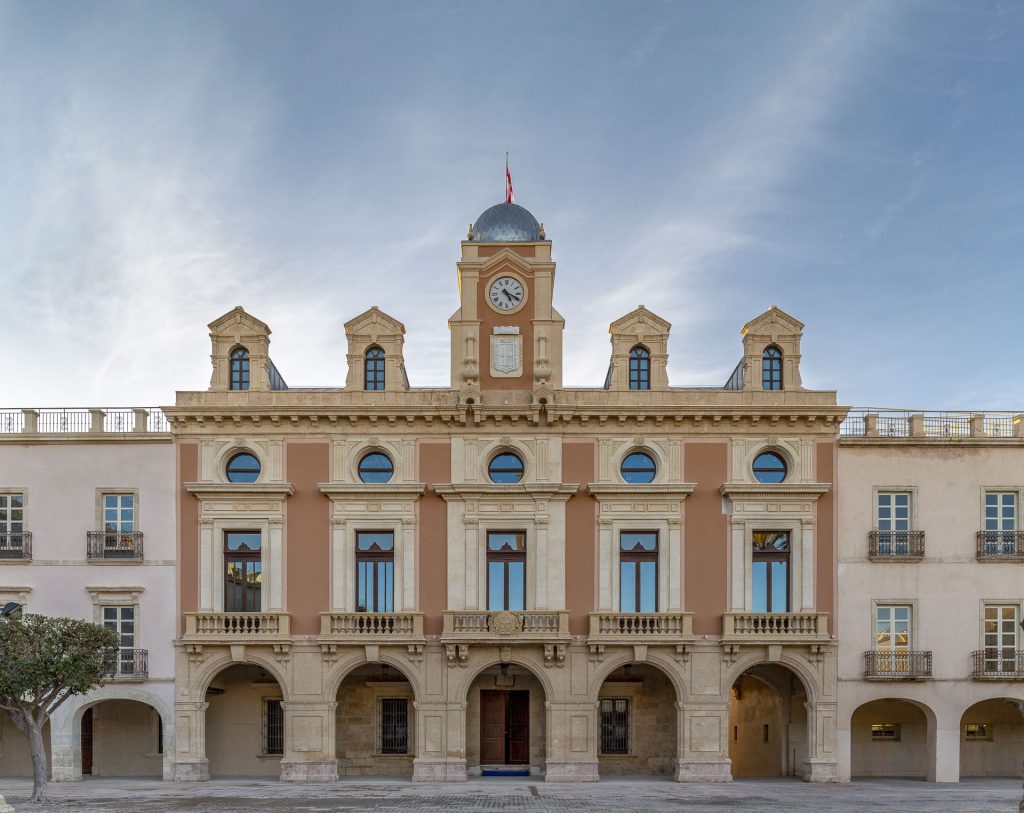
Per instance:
(702,742)
(309,742)
(572,748)
(190,763)
(440,742)
(65,746)
(943,752)
(821,764)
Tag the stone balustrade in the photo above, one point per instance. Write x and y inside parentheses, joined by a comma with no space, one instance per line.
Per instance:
(775,627)
(241,626)
(640,626)
(484,625)
(368,627)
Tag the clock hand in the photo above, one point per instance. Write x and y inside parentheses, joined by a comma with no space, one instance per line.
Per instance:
(508,296)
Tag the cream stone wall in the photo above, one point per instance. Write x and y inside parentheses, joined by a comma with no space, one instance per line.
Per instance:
(653,735)
(358,724)
(15,753)
(125,739)
(234,723)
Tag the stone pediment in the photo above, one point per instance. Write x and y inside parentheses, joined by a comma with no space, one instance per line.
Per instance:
(374,318)
(238,316)
(640,322)
(773,317)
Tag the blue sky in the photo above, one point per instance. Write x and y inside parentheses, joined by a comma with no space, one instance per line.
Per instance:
(857,164)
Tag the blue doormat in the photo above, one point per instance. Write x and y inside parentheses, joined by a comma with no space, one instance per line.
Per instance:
(505,772)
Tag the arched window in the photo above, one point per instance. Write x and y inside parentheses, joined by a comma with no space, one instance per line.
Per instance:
(771,368)
(239,369)
(639,368)
(374,368)
(506,468)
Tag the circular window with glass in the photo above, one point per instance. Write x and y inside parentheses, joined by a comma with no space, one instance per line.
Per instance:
(376,467)
(638,467)
(769,467)
(506,467)
(243,468)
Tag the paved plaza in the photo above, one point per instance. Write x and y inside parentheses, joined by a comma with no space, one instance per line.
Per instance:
(236,796)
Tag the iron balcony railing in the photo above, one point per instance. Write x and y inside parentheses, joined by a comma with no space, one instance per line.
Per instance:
(896,545)
(998,664)
(16,545)
(130,664)
(908,423)
(1000,545)
(114,545)
(83,420)
(907,664)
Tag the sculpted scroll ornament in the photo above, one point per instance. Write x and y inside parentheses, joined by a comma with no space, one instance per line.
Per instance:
(505,623)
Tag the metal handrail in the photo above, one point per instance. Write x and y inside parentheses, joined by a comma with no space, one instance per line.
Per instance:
(16,545)
(896,544)
(1000,544)
(898,664)
(114,545)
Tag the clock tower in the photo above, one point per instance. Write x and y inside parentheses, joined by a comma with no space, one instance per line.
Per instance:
(506,335)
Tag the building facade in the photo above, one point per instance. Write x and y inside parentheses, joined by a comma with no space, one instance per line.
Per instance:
(932,574)
(506,576)
(87,530)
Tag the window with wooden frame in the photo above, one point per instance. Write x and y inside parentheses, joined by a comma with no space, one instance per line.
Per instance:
(770,563)
(506,570)
(243,571)
(375,571)
(393,728)
(638,571)
(615,725)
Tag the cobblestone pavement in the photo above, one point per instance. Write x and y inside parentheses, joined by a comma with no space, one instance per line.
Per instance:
(240,796)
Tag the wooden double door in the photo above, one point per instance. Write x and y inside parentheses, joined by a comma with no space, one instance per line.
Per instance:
(504,727)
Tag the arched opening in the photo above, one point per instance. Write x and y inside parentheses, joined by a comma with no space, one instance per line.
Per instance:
(889,738)
(239,369)
(15,753)
(505,723)
(637,723)
(768,723)
(373,369)
(244,723)
(122,738)
(374,731)
(639,368)
(771,368)
(992,739)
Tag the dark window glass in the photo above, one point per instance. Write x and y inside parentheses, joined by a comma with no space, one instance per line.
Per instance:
(770,572)
(771,369)
(394,725)
(374,367)
(506,468)
(243,468)
(243,571)
(638,467)
(769,468)
(273,726)
(506,570)
(376,467)
(638,572)
(375,571)
(240,369)
(639,368)
(615,726)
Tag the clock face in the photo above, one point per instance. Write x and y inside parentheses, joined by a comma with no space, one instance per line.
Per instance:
(506,293)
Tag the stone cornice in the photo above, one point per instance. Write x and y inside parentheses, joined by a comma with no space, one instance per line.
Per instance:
(770,490)
(459,491)
(67,438)
(207,490)
(605,491)
(340,490)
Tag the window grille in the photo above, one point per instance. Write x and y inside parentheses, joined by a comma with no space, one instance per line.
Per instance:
(394,725)
(885,732)
(615,726)
(273,726)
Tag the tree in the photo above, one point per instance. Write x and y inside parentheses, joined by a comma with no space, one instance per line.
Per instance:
(43,662)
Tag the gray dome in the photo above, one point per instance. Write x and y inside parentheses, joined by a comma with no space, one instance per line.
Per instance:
(506,223)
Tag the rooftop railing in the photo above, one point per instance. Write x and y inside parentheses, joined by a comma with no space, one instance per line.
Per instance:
(83,420)
(905,423)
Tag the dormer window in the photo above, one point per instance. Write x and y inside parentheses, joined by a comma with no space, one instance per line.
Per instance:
(771,368)
(639,368)
(239,369)
(374,369)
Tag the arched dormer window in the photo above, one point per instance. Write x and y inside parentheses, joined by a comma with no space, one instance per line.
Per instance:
(373,367)
(639,368)
(239,369)
(771,368)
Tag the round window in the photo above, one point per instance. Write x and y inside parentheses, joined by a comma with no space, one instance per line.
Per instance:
(638,467)
(376,467)
(243,468)
(506,468)
(769,468)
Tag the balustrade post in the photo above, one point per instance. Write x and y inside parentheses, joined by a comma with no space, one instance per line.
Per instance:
(96,420)
(916,425)
(141,420)
(977,424)
(871,425)
(31,421)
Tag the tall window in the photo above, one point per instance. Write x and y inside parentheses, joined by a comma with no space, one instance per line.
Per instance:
(892,637)
(615,726)
(893,523)
(1000,522)
(12,525)
(243,571)
(393,713)
(639,368)
(239,369)
(375,571)
(122,621)
(638,572)
(770,572)
(1001,638)
(506,570)
(374,369)
(273,726)
(118,525)
(771,368)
